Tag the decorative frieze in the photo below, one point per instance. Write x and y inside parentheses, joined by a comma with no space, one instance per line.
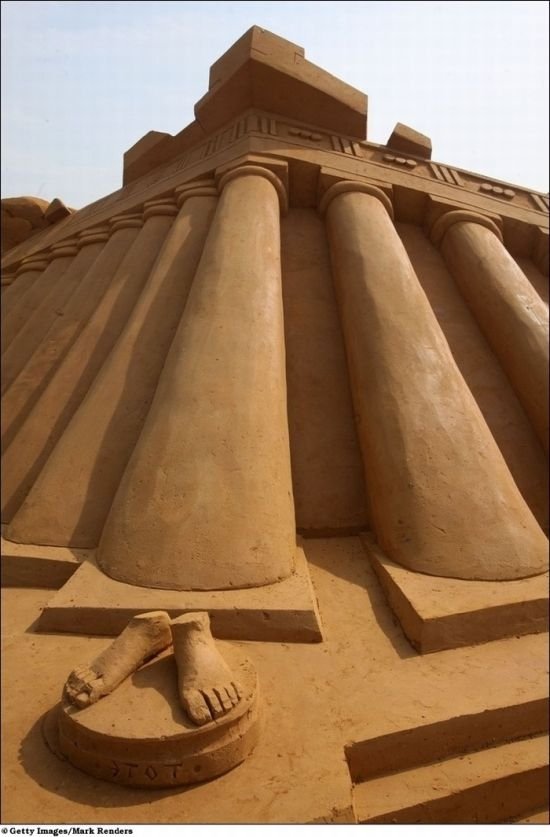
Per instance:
(499,191)
(446,174)
(401,161)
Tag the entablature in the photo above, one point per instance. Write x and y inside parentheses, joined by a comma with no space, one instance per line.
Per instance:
(414,183)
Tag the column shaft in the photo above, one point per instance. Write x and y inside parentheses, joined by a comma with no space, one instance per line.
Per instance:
(509,311)
(34,378)
(29,288)
(72,496)
(26,455)
(8,293)
(206,500)
(443,501)
(64,282)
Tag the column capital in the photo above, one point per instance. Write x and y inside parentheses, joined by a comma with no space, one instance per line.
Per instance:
(64,248)
(123,222)
(344,186)
(247,169)
(195,189)
(36,262)
(94,236)
(160,206)
(8,278)
(456,216)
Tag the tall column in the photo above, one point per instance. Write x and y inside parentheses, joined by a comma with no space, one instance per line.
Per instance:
(56,299)
(72,496)
(442,499)
(8,290)
(37,436)
(28,276)
(508,309)
(206,500)
(61,258)
(81,304)
(33,379)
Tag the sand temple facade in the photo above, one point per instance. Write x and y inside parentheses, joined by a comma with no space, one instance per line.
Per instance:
(275,475)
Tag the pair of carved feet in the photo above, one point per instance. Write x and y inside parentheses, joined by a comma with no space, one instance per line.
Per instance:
(206,686)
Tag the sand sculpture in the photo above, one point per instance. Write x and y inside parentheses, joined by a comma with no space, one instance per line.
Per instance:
(274,329)
(206,686)
(203,686)
(144,637)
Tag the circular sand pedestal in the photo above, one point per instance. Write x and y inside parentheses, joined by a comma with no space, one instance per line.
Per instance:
(140,736)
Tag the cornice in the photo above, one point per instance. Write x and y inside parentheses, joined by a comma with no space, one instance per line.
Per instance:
(307,150)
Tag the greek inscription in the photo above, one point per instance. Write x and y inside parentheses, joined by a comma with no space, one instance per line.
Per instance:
(175,768)
(131,767)
(150,772)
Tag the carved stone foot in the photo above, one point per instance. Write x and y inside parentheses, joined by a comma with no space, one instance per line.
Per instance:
(144,637)
(206,686)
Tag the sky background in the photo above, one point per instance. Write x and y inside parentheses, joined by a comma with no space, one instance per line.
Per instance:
(83,81)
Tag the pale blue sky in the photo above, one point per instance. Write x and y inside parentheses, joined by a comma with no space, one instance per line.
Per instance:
(83,81)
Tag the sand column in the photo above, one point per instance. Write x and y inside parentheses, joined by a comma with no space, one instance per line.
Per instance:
(27,371)
(71,498)
(512,316)
(443,501)
(44,426)
(206,500)
(61,277)
(20,302)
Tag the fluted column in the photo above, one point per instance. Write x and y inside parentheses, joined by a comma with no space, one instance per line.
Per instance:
(206,500)
(36,438)
(442,499)
(45,319)
(28,280)
(72,495)
(508,309)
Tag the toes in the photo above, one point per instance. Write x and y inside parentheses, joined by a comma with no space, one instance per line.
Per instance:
(82,700)
(79,678)
(223,697)
(238,688)
(232,695)
(196,707)
(95,689)
(82,673)
(213,702)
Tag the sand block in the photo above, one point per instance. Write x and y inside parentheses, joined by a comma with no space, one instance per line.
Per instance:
(29,565)
(408,141)
(140,736)
(438,613)
(92,603)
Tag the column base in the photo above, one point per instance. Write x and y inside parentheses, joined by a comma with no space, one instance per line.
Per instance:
(438,613)
(92,603)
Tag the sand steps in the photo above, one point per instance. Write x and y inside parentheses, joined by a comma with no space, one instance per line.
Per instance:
(486,767)
(489,786)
